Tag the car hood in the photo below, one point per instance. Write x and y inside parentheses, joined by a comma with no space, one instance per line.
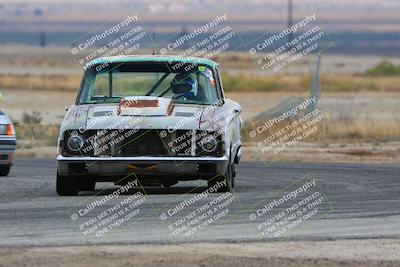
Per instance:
(101,116)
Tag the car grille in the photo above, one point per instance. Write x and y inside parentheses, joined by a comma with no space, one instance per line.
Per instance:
(142,143)
(131,143)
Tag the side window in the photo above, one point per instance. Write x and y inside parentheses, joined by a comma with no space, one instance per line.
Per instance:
(219,84)
(203,90)
(101,85)
(206,90)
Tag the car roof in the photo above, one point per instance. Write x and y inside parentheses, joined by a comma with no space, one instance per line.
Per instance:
(148,58)
(3,118)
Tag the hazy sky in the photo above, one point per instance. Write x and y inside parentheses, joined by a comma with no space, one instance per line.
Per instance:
(377,15)
(193,6)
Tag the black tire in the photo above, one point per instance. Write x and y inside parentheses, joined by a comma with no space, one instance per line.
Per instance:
(4,170)
(67,185)
(87,184)
(233,175)
(167,185)
(228,179)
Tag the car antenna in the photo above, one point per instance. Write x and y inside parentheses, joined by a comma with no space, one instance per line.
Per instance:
(154,37)
(154,49)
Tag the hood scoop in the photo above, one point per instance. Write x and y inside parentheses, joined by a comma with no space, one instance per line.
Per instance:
(145,106)
(184,114)
(102,113)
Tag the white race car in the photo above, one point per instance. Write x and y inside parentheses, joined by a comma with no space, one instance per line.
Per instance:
(154,119)
(7,144)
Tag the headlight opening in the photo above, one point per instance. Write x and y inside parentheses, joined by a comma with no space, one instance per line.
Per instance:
(75,143)
(209,143)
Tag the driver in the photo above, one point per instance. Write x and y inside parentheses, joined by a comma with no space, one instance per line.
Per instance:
(185,86)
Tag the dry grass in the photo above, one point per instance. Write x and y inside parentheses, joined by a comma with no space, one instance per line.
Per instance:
(302,83)
(338,253)
(357,83)
(232,83)
(332,129)
(33,82)
(37,134)
(344,129)
(357,152)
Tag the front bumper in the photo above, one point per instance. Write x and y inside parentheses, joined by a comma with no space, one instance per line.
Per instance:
(7,149)
(179,168)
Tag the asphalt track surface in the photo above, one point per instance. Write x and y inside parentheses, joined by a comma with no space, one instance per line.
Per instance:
(359,201)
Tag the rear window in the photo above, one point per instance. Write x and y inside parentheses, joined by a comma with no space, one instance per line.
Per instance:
(3,129)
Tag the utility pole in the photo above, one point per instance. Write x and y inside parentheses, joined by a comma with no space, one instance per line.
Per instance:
(154,37)
(42,39)
(154,48)
(315,87)
(290,21)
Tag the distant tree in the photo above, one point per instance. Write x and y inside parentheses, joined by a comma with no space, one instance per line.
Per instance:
(38,12)
(42,39)
(34,118)
(384,68)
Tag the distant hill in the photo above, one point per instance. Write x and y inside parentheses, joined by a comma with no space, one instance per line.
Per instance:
(338,15)
(354,43)
(356,27)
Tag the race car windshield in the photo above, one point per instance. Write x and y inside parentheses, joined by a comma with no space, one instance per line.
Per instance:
(114,82)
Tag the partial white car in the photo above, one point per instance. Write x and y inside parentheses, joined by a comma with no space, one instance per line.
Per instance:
(8,144)
(155,119)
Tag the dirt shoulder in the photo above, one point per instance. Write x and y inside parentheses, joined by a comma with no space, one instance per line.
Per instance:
(374,252)
(327,152)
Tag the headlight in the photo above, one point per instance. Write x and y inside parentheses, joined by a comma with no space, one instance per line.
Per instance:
(209,143)
(75,143)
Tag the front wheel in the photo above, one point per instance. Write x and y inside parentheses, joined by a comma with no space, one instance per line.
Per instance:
(224,182)
(67,185)
(87,184)
(4,170)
